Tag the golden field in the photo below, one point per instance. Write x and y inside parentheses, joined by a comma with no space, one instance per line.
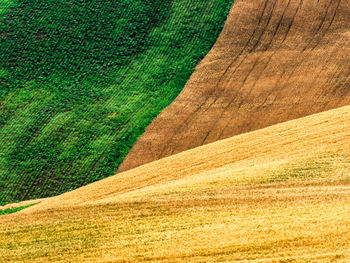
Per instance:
(280,194)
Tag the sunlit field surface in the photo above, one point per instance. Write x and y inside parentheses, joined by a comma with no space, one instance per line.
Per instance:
(280,194)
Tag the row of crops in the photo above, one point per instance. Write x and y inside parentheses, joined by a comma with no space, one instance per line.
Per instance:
(81,80)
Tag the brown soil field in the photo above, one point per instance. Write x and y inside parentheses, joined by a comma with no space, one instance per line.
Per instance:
(275,60)
(279,194)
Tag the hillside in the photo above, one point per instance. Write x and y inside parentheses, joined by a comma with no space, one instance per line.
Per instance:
(81,80)
(273,62)
(280,194)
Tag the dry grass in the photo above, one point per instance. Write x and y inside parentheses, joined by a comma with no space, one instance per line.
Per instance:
(281,194)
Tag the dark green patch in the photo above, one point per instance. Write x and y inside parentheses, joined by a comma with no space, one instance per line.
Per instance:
(14,210)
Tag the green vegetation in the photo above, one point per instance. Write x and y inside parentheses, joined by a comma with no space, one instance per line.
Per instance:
(80,80)
(14,210)
(4,5)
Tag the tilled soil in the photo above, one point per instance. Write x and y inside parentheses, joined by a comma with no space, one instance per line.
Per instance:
(275,60)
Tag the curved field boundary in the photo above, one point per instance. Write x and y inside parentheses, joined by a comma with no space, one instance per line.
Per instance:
(275,60)
(91,78)
(279,194)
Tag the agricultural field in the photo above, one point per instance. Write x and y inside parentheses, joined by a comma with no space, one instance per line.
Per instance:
(175,131)
(280,194)
(274,61)
(81,80)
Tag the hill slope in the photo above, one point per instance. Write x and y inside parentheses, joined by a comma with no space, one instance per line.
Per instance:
(80,81)
(275,60)
(280,194)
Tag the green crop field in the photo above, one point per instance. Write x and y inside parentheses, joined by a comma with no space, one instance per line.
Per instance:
(80,80)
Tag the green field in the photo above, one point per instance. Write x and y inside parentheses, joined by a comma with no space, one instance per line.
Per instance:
(13,210)
(81,80)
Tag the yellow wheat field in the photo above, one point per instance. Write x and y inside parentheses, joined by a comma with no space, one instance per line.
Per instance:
(280,194)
